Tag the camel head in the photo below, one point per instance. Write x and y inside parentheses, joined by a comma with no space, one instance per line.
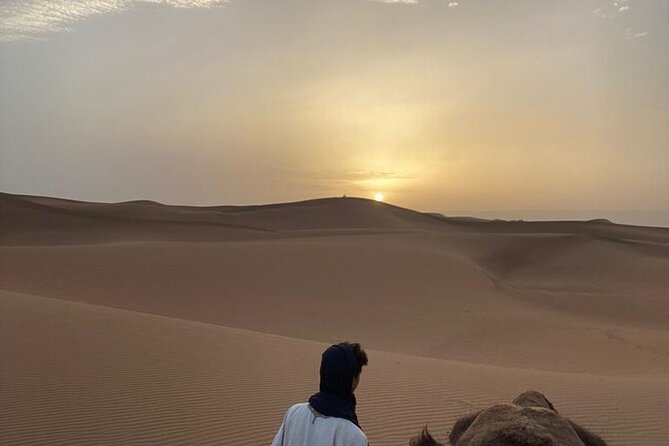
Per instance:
(531,420)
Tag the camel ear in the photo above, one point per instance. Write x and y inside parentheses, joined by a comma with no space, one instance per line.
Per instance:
(460,427)
(587,437)
(550,405)
(424,439)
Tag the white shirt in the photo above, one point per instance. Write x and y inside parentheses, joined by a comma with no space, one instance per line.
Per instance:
(303,426)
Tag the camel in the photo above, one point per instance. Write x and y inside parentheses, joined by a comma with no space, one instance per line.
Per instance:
(531,420)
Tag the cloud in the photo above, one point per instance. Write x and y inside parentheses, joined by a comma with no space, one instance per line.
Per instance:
(371,175)
(453,4)
(629,34)
(605,13)
(618,10)
(353,181)
(34,19)
(610,9)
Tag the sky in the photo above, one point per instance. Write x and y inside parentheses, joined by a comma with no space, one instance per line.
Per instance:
(478,105)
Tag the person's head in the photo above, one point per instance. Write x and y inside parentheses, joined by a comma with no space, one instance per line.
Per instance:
(341,365)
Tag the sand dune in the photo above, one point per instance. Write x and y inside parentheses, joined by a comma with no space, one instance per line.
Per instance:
(141,379)
(154,302)
(42,220)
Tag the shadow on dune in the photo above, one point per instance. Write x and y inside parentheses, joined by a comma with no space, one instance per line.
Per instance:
(531,420)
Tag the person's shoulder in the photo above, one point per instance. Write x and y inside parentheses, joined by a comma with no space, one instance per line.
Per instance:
(297,408)
(353,434)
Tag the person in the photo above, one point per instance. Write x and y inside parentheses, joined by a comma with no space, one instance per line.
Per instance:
(329,418)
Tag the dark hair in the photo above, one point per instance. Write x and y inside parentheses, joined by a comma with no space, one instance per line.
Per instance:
(424,439)
(360,357)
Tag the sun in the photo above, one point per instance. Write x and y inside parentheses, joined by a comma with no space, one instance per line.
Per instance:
(378,196)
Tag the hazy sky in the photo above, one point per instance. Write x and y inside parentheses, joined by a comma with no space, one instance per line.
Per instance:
(440,105)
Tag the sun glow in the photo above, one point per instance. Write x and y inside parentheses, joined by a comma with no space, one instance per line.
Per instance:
(378,196)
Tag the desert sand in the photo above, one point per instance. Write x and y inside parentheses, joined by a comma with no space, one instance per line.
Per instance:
(141,323)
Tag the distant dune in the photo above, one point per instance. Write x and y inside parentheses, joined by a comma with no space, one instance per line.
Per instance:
(137,322)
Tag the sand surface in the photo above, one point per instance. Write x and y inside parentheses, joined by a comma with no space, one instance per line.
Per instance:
(139,323)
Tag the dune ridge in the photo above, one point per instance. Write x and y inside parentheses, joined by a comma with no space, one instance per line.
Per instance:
(44,220)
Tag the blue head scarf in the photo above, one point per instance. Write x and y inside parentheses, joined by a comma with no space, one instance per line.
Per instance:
(336,398)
